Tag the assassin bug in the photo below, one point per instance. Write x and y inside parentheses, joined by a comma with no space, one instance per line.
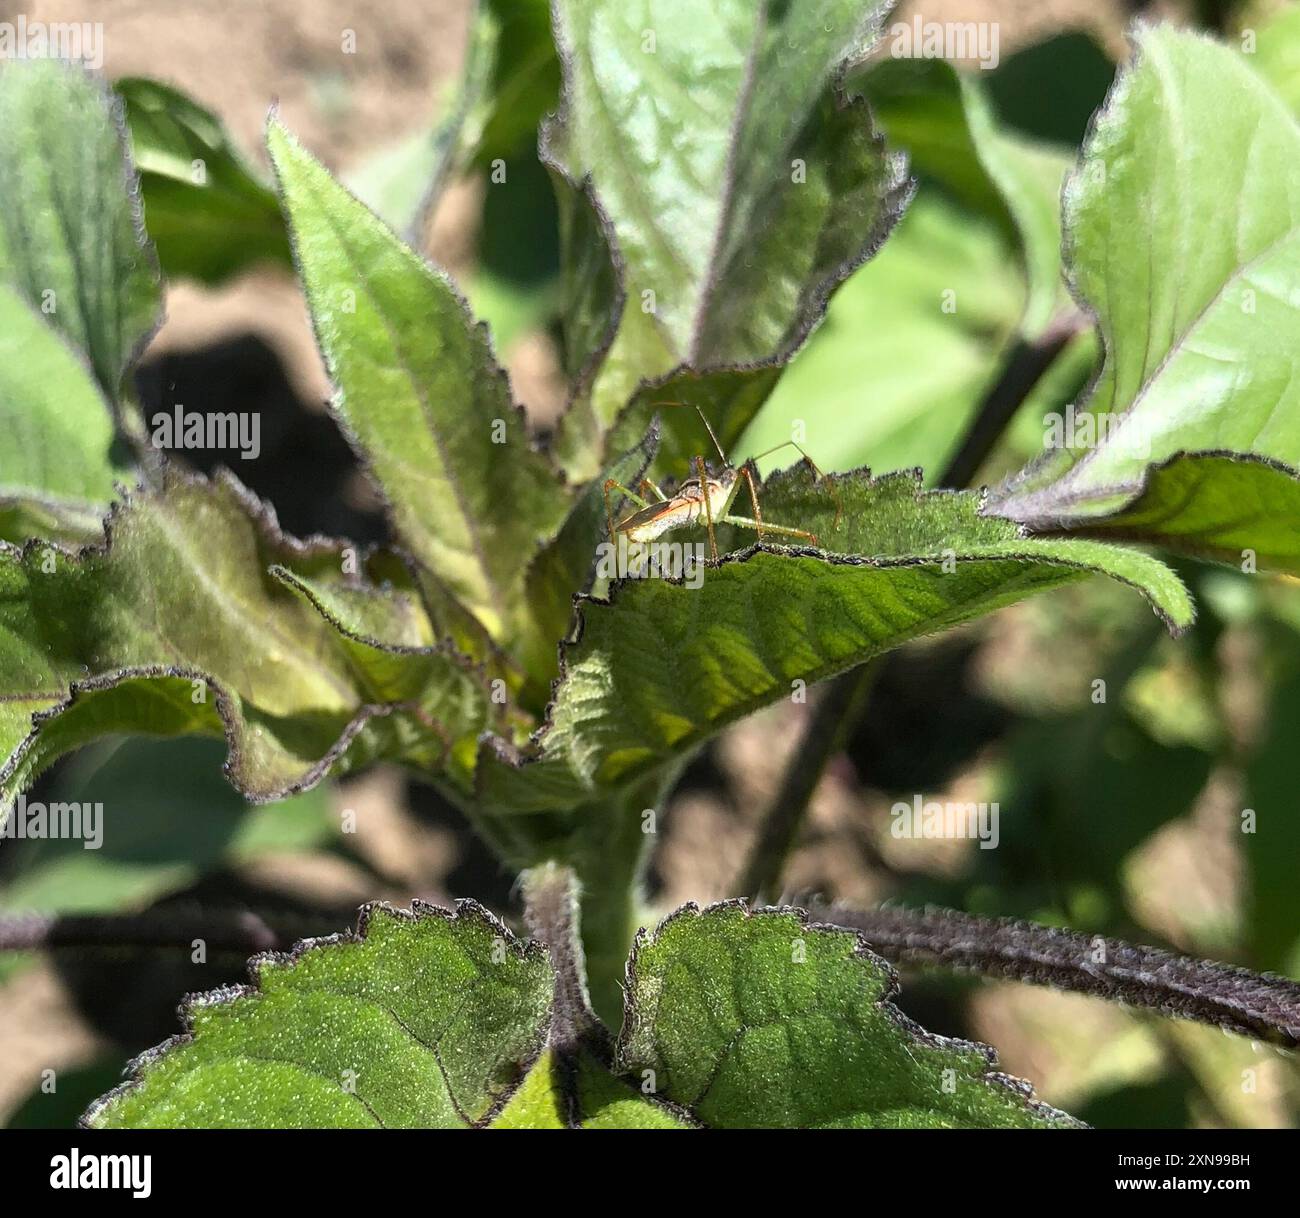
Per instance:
(707,495)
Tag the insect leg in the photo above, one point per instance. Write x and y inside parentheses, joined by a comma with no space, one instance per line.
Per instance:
(747,472)
(830,486)
(784,530)
(703,475)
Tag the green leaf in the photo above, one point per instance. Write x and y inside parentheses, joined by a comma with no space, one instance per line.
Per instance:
(208,212)
(430,1019)
(56,464)
(1183,221)
(890,378)
(727,245)
(943,119)
(763,1019)
(566,566)
(525,81)
(176,626)
(168,819)
(661,666)
(420,1020)
(421,397)
(1276,54)
(71,238)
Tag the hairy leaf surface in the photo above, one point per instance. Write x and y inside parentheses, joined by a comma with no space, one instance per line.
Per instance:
(433,1020)
(761,1019)
(175,625)
(1183,221)
(421,396)
(422,1020)
(661,666)
(71,238)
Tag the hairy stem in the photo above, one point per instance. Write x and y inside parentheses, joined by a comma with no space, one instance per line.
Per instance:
(1257,1005)
(551,912)
(607,857)
(823,736)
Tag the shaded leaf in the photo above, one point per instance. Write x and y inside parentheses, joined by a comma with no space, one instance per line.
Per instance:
(208,213)
(168,818)
(525,83)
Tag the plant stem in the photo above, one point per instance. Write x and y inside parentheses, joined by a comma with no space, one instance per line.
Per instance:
(608,857)
(1023,368)
(551,912)
(1251,1004)
(823,736)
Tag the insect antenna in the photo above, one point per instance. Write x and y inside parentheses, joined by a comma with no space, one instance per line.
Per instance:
(721,455)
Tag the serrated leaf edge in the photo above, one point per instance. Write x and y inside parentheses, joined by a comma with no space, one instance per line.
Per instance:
(468,911)
(519,757)
(896,198)
(906,1026)
(264,520)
